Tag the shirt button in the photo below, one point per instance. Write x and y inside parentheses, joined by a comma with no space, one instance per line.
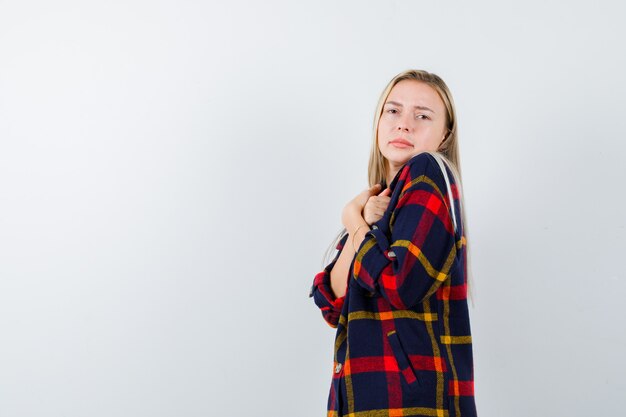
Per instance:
(338,368)
(374,227)
(391,254)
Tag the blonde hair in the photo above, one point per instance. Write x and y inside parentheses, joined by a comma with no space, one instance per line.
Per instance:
(378,164)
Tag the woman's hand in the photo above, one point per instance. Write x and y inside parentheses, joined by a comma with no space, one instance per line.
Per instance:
(366,205)
(376,206)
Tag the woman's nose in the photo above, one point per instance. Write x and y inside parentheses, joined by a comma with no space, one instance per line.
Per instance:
(403,123)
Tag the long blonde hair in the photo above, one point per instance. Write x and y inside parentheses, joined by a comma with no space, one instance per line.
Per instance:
(378,165)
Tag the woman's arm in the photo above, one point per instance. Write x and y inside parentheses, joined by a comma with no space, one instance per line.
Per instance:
(339,273)
(373,205)
(330,295)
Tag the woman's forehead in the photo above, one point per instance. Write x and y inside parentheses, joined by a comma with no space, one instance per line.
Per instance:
(415,93)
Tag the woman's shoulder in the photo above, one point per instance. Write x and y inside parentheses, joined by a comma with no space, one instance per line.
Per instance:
(425,164)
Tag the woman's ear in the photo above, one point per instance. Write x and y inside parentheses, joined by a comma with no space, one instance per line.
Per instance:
(442,143)
(445,136)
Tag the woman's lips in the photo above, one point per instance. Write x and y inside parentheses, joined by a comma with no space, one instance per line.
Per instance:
(400,144)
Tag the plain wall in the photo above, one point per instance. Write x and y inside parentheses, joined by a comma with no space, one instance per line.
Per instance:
(172,172)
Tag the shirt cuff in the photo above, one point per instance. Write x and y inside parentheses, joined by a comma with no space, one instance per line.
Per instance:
(373,256)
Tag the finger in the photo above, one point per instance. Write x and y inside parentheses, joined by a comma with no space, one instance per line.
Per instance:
(374,189)
(370,191)
(386,192)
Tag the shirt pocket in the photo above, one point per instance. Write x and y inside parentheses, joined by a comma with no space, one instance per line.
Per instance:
(402,359)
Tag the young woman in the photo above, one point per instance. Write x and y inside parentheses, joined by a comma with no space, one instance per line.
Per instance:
(396,291)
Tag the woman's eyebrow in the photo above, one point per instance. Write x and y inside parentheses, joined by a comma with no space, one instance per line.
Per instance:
(395,103)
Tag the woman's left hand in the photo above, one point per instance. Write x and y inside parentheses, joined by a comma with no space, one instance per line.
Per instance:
(355,206)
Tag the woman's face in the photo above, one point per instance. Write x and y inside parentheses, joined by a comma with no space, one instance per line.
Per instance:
(413,120)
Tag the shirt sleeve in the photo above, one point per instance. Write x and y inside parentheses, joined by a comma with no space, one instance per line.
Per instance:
(322,292)
(423,245)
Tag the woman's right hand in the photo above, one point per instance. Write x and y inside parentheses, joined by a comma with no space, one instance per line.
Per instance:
(376,205)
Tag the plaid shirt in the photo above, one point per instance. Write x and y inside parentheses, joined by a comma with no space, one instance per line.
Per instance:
(403,345)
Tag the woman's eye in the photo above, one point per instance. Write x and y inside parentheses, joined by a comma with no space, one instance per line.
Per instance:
(422,115)
(391,111)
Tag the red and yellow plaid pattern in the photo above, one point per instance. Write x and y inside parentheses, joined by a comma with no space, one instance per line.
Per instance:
(403,345)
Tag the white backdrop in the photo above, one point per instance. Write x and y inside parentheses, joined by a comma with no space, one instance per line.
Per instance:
(171,173)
